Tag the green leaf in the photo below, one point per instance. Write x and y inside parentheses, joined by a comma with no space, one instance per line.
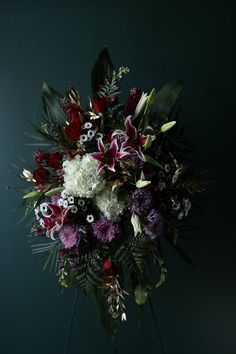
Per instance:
(167,126)
(102,308)
(167,96)
(52,105)
(153,162)
(102,70)
(53,191)
(141,293)
(31,194)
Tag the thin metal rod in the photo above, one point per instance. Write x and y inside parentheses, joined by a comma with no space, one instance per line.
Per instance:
(71,321)
(156,326)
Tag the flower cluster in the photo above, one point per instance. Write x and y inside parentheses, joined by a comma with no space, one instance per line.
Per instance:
(115,183)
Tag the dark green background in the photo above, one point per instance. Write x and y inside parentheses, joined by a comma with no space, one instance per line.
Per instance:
(58,42)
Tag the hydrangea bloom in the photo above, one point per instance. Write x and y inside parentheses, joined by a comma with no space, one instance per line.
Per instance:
(108,203)
(81,178)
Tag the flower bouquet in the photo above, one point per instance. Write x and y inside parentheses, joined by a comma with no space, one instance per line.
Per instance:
(118,179)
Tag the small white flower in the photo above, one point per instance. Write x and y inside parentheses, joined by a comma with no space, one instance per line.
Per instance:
(41,222)
(90,134)
(60,202)
(43,207)
(71,199)
(90,218)
(36,210)
(84,208)
(99,135)
(81,202)
(74,209)
(64,194)
(83,138)
(65,204)
(87,125)
(167,167)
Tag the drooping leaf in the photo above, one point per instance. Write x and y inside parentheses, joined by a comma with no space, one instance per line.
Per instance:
(52,105)
(167,96)
(102,70)
(108,323)
(53,191)
(31,195)
(141,293)
(153,162)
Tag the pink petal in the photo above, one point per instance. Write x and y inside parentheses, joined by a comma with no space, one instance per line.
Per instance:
(120,154)
(100,167)
(100,145)
(97,156)
(114,147)
(130,129)
(111,166)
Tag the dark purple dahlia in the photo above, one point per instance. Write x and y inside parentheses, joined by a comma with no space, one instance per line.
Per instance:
(154,225)
(105,230)
(141,202)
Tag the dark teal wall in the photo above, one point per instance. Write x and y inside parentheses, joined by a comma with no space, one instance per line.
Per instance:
(159,40)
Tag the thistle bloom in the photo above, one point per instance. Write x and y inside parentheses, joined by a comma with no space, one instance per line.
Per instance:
(107,155)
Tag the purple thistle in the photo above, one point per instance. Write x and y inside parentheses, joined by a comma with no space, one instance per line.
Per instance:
(69,235)
(105,230)
(154,225)
(141,202)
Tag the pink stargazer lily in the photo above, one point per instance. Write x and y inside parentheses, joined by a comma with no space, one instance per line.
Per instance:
(107,156)
(133,139)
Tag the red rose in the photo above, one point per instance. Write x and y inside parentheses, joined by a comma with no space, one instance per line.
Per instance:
(109,268)
(41,175)
(54,160)
(132,101)
(73,129)
(100,104)
(72,111)
(40,157)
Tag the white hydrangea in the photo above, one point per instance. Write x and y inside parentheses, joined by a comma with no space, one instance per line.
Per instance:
(107,202)
(81,178)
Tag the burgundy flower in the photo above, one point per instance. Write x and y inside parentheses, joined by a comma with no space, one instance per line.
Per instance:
(72,111)
(109,268)
(73,129)
(41,175)
(54,160)
(107,155)
(105,230)
(132,101)
(100,103)
(54,218)
(134,141)
(40,157)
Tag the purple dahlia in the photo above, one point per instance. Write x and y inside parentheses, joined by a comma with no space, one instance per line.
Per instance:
(105,230)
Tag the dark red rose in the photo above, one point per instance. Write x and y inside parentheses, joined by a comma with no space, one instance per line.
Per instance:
(109,268)
(41,175)
(100,104)
(132,101)
(72,111)
(54,160)
(40,157)
(73,129)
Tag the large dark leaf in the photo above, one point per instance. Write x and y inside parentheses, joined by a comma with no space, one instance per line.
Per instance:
(52,105)
(106,320)
(166,97)
(102,70)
